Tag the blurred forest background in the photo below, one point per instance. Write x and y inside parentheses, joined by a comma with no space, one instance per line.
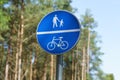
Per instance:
(21,58)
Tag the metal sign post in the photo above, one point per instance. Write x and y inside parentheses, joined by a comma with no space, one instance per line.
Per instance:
(59,67)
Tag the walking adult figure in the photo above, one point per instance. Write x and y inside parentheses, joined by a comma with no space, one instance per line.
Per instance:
(55,19)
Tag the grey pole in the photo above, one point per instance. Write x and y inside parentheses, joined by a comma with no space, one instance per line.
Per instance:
(59,67)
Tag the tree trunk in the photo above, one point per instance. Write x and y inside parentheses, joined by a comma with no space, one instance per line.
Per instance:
(16,61)
(21,39)
(16,67)
(45,71)
(7,63)
(88,51)
(31,68)
(52,67)
(6,69)
(75,77)
(17,51)
(78,73)
(35,70)
(76,59)
(84,65)
(73,66)
(35,74)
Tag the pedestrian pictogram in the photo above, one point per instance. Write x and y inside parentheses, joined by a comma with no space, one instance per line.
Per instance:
(56,21)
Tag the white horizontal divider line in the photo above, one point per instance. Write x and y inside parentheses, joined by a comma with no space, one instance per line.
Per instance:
(58,31)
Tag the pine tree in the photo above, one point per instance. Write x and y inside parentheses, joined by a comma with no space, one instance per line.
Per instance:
(93,57)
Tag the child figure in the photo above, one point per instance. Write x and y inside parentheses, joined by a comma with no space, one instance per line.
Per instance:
(61,23)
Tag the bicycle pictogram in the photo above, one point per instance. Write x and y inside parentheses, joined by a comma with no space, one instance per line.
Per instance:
(57,42)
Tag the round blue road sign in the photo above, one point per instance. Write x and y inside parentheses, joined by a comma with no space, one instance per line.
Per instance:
(58,32)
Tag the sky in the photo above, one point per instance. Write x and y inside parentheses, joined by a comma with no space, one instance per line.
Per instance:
(107,14)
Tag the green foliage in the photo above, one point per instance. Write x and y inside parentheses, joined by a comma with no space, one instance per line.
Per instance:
(109,77)
(88,21)
(3,21)
(4,18)
(2,2)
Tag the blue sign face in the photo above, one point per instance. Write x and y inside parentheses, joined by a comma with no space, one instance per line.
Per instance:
(58,32)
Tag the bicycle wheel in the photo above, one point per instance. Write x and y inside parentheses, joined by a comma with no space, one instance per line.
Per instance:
(51,46)
(64,45)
